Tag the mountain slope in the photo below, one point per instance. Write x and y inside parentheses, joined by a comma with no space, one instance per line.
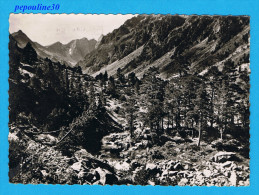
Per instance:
(69,53)
(73,51)
(169,42)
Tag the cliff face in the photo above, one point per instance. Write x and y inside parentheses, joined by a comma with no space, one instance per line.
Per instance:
(73,51)
(169,42)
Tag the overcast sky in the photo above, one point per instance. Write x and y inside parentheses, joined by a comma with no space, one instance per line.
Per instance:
(49,28)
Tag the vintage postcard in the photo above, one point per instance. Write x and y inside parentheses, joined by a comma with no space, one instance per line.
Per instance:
(129,99)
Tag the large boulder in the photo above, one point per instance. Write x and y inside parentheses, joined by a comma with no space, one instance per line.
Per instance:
(82,154)
(233,179)
(222,157)
(106,177)
(88,177)
(46,139)
(178,140)
(183,182)
(77,166)
(228,165)
(151,166)
(207,173)
(123,166)
(164,139)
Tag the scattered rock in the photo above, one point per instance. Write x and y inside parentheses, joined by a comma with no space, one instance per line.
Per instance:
(151,183)
(199,176)
(46,139)
(178,166)
(172,173)
(82,154)
(227,173)
(77,166)
(12,137)
(122,166)
(151,166)
(223,157)
(247,182)
(178,139)
(182,173)
(227,164)
(81,174)
(186,167)
(207,173)
(106,177)
(183,182)
(233,179)
(44,173)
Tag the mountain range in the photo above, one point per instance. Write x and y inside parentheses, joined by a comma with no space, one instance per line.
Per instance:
(68,54)
(170,42)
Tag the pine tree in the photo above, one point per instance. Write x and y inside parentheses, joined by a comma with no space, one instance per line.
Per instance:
(111,89)
(229,77)
(152,96)
(201,106)
(92,97)
(130,113)
(220,105)
(105,76)
(66,81)
(132,79)
(137,86)
(120,76)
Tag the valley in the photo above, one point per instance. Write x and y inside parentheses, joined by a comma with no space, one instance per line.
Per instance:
(162,100)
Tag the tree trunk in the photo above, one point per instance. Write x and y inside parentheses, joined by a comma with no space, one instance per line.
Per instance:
(178,117)
(212,107)
(172,121)
(168,123)
(162,123)
(221,134)
(192,129)
(131,126)
(199,138)
(211,122)
(151,126)
(131,131)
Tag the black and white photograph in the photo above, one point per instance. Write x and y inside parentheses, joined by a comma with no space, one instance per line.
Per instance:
(140,99)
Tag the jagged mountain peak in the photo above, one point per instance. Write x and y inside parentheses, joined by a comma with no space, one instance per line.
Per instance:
(55,46)
(21,38)
(19,32)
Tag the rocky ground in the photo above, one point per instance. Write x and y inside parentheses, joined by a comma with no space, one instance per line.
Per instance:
(174,161)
